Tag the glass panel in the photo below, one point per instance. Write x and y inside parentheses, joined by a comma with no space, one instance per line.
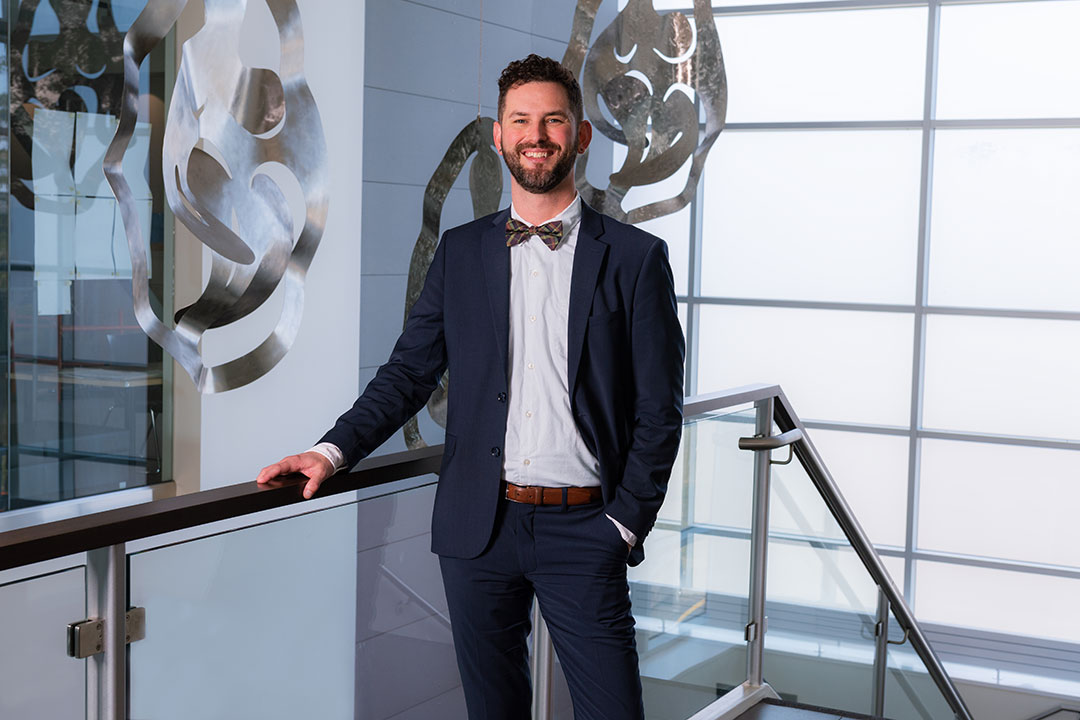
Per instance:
(998,600)
(977,80)
(812,215)
(984,374)
(348,599)
(1006,224)
(820,602)
(872,473)
(83,393)
(798,66)
(690,593)
(971,502)
(910,692)
(833,365)
(37,678)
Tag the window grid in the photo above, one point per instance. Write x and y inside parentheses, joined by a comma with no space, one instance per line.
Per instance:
(921,309)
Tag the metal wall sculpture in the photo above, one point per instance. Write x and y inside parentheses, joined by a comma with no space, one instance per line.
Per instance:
(231,129)
(644,67)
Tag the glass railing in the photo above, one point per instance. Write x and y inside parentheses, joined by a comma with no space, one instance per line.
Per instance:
(37,678)
(758,584)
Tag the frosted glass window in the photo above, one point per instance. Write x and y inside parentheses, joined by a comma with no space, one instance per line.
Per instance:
(833,365)
(841,65)
(830,216)
(1002,376)
(819,577)
(1005,228)
(998,600)
(674,228)
(1003,501)
(1007,60)
(721,565)
(872,474)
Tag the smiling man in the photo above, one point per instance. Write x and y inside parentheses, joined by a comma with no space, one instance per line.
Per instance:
(560,330)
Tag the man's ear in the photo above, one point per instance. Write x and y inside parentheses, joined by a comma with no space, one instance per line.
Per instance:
(496,134)
(584,134)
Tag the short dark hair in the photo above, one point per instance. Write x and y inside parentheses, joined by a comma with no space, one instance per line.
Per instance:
(540,69)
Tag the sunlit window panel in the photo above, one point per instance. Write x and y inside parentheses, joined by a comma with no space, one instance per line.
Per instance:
(800,574)
(1009,60)
(812,215)
(998,600)
(721,565)
(841,65)
(833,365)
(1002,376)
(1001,501)
(1005,229)
(872,474)
(673,228)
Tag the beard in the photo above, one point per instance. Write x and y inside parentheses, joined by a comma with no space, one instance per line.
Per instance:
(539,181)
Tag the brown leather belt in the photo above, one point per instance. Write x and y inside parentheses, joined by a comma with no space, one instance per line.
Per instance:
(537,495)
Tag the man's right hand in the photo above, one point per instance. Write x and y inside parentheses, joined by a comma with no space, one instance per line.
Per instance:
(315,466)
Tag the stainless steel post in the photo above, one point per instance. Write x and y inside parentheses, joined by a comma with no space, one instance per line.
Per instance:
(759,543)
(881,649)
(115,699)
(542,666)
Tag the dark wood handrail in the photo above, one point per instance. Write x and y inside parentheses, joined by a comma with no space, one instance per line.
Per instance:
(25,546)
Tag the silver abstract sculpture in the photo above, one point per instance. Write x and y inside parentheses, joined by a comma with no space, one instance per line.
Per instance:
(640,66)
(230,131)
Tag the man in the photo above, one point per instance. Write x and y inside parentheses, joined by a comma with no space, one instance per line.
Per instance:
(560,330)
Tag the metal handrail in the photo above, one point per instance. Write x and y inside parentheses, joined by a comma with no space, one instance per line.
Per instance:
(793,433)
(25,546)
(787,420)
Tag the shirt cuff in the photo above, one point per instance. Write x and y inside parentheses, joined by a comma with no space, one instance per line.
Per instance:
(629,537)
(331,452)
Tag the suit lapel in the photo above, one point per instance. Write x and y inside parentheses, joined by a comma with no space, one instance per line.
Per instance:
(495,259)
(588,258)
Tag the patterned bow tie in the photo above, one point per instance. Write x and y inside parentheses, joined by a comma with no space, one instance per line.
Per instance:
(518,232)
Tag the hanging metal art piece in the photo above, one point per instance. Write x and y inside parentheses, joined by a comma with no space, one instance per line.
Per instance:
(647,68)
(232,133)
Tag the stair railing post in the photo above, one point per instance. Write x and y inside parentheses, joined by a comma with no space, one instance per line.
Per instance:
(759,544)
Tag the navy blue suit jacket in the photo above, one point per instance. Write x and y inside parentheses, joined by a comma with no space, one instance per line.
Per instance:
(625,364)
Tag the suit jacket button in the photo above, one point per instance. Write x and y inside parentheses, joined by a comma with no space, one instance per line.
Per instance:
(502,397)
(496,451)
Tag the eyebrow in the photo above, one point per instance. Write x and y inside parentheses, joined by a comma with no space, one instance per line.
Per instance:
(553,113)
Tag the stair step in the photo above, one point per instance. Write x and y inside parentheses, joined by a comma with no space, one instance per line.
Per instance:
(770,709)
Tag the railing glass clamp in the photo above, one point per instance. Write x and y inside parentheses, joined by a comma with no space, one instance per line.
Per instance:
(87,637)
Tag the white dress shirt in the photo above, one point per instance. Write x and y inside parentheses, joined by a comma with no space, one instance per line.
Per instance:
(543,445)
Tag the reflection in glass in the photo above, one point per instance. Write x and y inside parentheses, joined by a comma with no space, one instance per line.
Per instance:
(83,390)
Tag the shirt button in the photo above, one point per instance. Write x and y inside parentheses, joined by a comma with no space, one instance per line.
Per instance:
(528,413)
(531,366)
(496,452)
(532,318)
(535,273)
(502,397)
(528,461)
